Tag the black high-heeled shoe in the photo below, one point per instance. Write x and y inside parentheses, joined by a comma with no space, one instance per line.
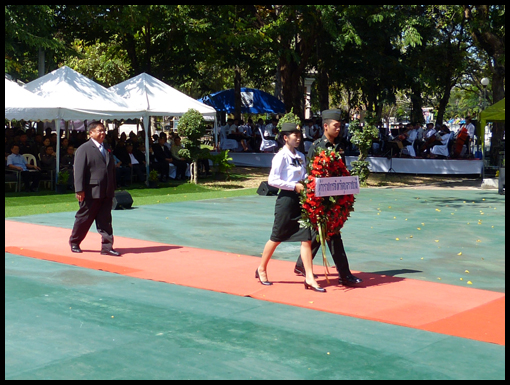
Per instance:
(317,289)
(265,283)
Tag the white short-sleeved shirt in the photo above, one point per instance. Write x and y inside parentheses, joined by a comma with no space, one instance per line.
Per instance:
(471,130)
(268,130)
(17,160)
(287,170)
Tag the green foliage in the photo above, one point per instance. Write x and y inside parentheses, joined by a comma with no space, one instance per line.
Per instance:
(366,56)
(221,162)
(107,64)
(290,117)
(363,138)
(63,177)
(360,168)
(192,126)
(153,176)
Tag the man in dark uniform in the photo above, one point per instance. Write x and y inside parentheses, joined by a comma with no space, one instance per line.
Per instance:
(332,127)
(94,181)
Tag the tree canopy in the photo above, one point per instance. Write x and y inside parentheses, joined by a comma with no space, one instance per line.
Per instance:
(370,57)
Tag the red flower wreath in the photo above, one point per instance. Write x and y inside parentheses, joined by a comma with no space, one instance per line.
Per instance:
(328,213)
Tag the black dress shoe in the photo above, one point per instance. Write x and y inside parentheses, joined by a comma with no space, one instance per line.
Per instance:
(111,252)
(349,280)
(301,272)
(75,249)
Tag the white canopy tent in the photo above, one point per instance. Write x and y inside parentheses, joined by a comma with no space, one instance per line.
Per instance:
(155,98)
(78,97)
(146,93)
(21,104)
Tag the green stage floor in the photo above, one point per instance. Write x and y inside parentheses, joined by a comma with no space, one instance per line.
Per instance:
(66,322)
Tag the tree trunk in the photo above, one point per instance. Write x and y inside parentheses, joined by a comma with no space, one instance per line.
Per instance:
(130,46)
(417,104)
(292,92)
(237,93)
(498,129)
(193,168)
(323,88)
(443,103)
(41,61)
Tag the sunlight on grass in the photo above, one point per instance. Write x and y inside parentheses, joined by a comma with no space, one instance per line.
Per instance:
(23,204)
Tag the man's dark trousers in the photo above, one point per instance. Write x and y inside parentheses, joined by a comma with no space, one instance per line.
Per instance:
(336,247)
(99,210)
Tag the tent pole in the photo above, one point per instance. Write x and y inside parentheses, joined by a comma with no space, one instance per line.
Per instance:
(57,150)
(215,132)
(145,119)
(483,123)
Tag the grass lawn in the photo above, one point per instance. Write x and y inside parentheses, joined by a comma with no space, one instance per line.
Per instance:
(45,201)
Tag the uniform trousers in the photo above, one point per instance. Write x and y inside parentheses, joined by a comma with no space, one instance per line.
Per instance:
(336,247)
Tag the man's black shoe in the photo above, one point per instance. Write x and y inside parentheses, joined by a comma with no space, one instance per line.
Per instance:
(301,271)
(111,252)
(349,280)
(75,249)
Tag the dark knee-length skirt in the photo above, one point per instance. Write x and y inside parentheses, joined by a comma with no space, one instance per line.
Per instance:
(287,214)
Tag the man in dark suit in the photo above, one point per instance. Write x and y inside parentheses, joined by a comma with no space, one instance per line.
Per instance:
(94,181)
(163,158)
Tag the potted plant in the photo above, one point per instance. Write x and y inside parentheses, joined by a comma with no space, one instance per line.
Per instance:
(191,128)
(153,179)
(221,163)
(62,181)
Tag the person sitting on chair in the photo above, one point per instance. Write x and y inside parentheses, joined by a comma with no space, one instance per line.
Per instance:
(440,139)
(67,164)
(137,162)
(49,159)
(235,133)
(162,158)
(15,161)
(178,160)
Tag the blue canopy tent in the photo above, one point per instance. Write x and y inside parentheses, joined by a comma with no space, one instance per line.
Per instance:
(253,102)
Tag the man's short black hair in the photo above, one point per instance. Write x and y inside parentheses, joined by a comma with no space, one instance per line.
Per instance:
(94,125)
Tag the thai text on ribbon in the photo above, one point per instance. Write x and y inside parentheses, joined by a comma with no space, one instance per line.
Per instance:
(328,187)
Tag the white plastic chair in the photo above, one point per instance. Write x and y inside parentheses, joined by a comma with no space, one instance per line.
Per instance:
(30,159)
(442,149)
(267,145)
(409,149)
(227,144)
(46,178)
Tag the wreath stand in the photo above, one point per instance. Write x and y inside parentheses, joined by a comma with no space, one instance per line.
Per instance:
(322,236)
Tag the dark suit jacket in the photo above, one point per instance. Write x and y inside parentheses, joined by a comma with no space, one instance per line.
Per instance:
(92,173)
(161,153)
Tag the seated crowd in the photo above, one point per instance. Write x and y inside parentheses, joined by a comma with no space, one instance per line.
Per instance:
(251,137)
(411,140)
(128,150)
(433,141)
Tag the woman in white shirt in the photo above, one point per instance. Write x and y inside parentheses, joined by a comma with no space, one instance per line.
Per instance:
(287,172)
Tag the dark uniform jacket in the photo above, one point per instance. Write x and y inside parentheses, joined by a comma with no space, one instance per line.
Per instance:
(324,143)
